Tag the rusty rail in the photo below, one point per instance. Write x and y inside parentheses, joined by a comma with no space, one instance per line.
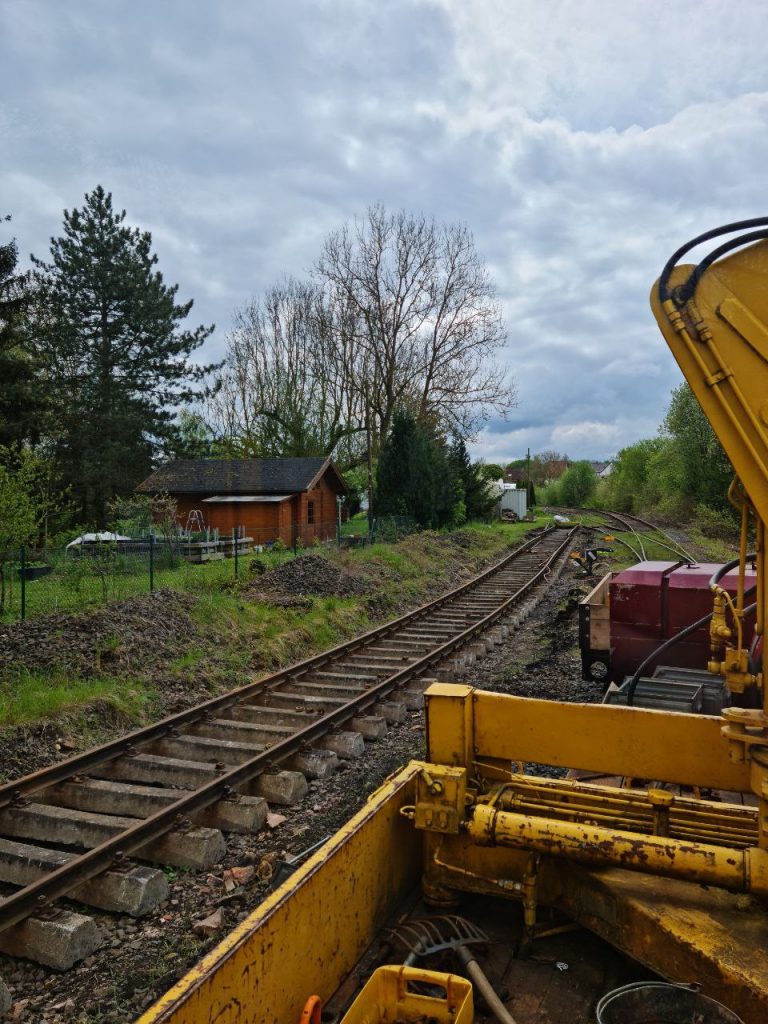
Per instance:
(37,896)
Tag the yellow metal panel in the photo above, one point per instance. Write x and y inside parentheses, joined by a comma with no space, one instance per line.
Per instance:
(440,797)
(686,932)
(448,708)
(724,357)
(306,937)
(686,749)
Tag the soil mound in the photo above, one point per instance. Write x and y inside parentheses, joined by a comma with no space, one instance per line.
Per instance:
(311,575)
(109,638)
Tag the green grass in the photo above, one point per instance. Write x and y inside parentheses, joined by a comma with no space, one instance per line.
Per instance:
(260,636)
(75,585)
(29,696)
(510,533)
(714,549)
(71,586)
(188,660)
(356,526)
(654,545)
(239,636)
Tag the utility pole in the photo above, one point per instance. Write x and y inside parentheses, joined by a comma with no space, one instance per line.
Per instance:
(527,477)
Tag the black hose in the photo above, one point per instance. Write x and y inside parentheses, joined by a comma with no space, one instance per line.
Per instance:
(688,290)
(725,569)
(738,225)
(632,685)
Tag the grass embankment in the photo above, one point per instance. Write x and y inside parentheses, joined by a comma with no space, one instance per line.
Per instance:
(81,582)
(225,634)
(26,697)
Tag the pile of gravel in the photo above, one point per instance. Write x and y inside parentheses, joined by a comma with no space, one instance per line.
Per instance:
(312,575)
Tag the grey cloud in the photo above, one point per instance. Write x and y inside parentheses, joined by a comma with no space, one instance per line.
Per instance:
(580,149)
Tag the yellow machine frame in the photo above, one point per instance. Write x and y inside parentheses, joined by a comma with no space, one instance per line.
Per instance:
(662,874)
(633,864)
(660,871)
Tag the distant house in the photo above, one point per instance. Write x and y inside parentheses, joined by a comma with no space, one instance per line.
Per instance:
(288,499)
(514,476)
(603,469)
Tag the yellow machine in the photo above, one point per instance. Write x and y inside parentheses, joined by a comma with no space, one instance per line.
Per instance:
(666,858)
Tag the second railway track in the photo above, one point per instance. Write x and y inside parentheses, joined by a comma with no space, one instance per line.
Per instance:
(90,827)
(636,527)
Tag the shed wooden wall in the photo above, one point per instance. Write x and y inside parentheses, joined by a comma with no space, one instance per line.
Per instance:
(268,521)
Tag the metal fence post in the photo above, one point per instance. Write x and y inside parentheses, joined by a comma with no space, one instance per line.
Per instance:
(23,585)
(235,538)
(151,562)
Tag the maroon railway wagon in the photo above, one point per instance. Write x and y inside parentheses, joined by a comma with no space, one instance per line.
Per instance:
(629,614)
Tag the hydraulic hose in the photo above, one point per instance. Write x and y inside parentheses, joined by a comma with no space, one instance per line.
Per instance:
(688,290)
(632,686)
(725,569)
(726,229)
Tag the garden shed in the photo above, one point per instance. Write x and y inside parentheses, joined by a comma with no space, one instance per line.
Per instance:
(268,499)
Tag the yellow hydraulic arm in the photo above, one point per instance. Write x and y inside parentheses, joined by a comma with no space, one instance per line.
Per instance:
(714,317)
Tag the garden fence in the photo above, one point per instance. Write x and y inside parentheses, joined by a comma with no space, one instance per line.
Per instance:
(91,571)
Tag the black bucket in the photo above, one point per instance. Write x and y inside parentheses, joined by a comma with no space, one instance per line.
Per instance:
(656,1002)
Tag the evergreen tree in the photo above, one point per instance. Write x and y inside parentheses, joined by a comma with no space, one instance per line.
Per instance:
(397,466)
(478,498)
(414,476)
(108,330)
(21,402)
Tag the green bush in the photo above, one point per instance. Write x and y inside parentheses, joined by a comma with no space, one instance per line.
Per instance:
(715,523)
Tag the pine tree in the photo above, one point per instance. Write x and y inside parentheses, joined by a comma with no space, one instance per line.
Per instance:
(21,402)
(414,476)
(477,497)
(108,329)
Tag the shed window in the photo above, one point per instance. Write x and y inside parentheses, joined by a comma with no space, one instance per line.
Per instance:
(310,513)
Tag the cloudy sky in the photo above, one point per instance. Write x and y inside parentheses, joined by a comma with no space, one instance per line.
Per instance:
(581,140)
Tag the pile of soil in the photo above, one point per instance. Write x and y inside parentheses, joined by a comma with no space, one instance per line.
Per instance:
(311,575)
(113,637)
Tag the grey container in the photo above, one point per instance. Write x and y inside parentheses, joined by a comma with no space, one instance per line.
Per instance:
(656,1002)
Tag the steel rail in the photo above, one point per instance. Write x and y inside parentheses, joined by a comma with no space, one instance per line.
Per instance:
(11,792)
(629,528)
(674,546)
(37,896)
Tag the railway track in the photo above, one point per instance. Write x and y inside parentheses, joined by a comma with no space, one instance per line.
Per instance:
(629,524)
(90,827)
(636,526)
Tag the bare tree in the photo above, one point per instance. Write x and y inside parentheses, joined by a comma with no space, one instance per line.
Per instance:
(286,391)
(547,466)
(425,319)
(400,313)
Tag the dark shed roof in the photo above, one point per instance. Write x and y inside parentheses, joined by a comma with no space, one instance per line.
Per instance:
(240,476)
